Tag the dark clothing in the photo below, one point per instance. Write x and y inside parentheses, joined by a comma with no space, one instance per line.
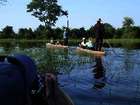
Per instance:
(65,41)
(99,74)
(17,73)
(65,37)
(99,35)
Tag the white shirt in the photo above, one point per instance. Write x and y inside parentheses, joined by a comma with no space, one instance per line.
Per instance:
(89,44)
(83,43)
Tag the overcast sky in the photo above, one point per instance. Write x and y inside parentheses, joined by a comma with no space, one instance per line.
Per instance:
(82,13)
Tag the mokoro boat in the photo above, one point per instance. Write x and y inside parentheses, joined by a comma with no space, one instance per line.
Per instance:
(54,94)
(57,95)
(98,53)
(49,45)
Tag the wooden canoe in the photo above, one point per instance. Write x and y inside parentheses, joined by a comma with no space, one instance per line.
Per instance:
(57,95)
(98,53)
(49,45)
(54,94)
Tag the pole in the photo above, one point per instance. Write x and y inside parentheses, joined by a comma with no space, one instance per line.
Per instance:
(67,22)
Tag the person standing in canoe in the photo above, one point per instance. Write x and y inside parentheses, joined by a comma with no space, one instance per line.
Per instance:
(99,34)
(65,36)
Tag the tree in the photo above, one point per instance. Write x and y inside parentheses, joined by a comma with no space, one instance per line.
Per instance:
(119,33)
(128,21)
(74,33)
(2,1)
(109,30)
(8,32)
(47,11)
(58,33)
(127,25)
(26,33)
(40,32)
(82,32)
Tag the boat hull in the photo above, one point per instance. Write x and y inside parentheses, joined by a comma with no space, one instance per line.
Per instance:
(49,45)
(98,53)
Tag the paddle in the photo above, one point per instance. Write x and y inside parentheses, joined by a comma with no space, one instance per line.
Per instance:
(111,47)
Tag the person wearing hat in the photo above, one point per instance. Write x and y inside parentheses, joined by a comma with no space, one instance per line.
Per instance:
(99,34)
(83,43)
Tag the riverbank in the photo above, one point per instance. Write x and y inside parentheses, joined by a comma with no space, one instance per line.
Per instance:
(71,40)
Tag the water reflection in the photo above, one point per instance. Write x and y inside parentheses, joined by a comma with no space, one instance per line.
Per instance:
(99,74)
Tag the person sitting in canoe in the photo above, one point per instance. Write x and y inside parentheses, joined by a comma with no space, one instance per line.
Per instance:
(20,84)
(83,43)
(52,41)
(57,43)
(89,44)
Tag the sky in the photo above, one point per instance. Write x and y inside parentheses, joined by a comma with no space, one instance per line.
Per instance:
(82,13)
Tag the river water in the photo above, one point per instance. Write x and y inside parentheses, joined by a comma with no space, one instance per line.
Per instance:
(113,79)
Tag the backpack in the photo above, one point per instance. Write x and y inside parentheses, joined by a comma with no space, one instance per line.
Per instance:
(16,76)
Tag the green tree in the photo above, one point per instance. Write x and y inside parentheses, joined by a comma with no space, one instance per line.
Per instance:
(21,33)
(128,31)
(3,1)
(58,33)
(128,22)
(82,32)
(109,30)
(74,33)
(47,11)
(132,32)
(8,32)
(26,33)
(40,32)
(119,33)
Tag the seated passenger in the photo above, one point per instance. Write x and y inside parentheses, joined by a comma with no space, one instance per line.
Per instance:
(89,44)
(51,41)
(83,43)
(57,42)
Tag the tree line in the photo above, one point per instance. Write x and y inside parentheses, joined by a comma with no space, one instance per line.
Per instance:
(48,12)
(128,30)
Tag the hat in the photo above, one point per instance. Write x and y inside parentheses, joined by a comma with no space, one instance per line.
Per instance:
(99,20)
(83,38)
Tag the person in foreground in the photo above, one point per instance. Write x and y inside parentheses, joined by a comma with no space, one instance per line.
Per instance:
(99,34)
(20,84)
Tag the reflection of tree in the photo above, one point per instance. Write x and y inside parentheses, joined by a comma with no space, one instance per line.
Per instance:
(99,73)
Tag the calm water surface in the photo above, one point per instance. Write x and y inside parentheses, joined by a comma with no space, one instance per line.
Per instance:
(113,79)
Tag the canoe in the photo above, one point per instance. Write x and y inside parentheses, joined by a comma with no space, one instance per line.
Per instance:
(98,53)
(54,94)
(49,45)
(57,95)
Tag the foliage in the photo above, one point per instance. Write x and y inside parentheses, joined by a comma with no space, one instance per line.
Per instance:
(109,30)
(25,33)
(128,21)
(2,1)
(43,33)
(118,33)
(47,11)
(8,32)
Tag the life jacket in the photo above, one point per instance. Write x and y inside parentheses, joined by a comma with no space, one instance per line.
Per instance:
(16,76)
